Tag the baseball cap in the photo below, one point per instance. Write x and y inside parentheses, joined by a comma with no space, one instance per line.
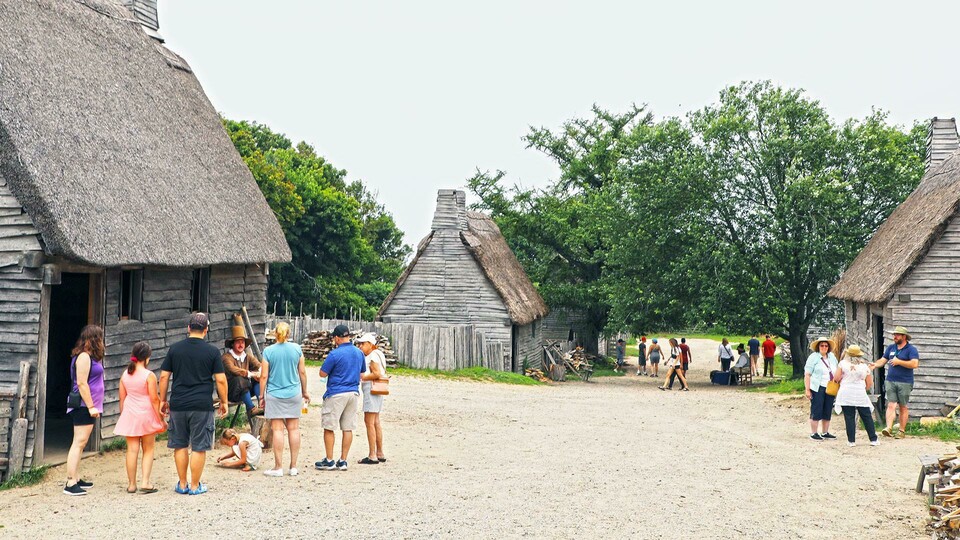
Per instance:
(341,330)
(369,337)
(199,321)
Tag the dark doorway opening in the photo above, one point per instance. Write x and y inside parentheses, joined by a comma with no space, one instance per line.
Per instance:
(879,375)
(69,313)
(514,348)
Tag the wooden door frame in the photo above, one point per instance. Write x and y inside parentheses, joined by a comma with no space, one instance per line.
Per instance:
(96,314)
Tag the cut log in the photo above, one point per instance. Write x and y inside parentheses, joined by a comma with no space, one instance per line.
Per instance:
(18,446)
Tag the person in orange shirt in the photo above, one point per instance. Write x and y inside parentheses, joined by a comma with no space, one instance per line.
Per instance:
(769,352)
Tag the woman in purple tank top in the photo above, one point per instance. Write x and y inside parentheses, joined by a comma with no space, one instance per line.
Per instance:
(86,371)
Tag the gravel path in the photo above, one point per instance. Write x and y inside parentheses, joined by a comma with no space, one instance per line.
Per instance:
(612,458)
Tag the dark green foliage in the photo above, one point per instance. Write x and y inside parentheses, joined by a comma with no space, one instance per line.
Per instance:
(347,250)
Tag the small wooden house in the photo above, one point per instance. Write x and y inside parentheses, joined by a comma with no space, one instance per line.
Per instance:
(907,276)
(465,273)
(122,203)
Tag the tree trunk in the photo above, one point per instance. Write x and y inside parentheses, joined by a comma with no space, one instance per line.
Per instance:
(591,337)
(798,344)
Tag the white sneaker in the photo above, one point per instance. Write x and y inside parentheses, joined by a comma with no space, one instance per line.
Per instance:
(875,443)
(293,471)
(851,444)
(273,472)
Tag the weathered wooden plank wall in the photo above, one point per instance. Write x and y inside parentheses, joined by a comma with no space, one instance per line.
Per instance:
(530,345)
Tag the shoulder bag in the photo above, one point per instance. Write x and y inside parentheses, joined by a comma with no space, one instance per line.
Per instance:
(833,387)
(380,387)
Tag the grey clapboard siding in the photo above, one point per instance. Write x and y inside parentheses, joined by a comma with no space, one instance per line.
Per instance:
(529,345)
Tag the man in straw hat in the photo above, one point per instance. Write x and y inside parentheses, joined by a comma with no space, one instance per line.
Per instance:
(242,369)
(903,358)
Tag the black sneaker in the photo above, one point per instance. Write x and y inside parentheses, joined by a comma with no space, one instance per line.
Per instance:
(828,436)
(74,490)
(325,464)
(815,437)
(84,484)
(342,465)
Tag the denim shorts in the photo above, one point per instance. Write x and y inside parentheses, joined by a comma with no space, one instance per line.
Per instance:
(821,405)
(193,429)
(898,392)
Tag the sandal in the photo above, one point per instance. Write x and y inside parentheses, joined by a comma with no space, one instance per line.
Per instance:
(368,461)
(131,492)
(382,459)
(148,490)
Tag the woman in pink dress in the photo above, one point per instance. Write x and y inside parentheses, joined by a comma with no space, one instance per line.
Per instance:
(140,418)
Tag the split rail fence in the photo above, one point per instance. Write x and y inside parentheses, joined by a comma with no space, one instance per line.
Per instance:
(418,346)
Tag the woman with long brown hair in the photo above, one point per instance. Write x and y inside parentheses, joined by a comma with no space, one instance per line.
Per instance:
(140,418)
(86,371)
(674,364)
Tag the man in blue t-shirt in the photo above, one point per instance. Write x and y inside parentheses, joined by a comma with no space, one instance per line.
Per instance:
(903,359)
(342,369)
(754,346)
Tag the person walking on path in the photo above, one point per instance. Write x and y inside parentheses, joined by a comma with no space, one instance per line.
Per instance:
(653,356)
(242,369)
(675,363)
(372,404)
(621,348)
(903,358)
(754,345)
(769,348)
(642,356)
(194,365)
(685,358)
(819,369)
(854,376)
(283,377)
(342,369)
(140,418)
(725,355)
(86,371)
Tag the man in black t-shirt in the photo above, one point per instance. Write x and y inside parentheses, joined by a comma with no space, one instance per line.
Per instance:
(194,364)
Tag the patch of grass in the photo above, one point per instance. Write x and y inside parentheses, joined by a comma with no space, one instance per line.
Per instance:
(607,372)
(474,374)
(945,430)
(116,443)
(26,478)
(786,386)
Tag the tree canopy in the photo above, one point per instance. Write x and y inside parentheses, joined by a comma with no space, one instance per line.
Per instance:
(347,250)
(738,217)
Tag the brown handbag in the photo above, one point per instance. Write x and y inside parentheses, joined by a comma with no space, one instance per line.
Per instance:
(380,387)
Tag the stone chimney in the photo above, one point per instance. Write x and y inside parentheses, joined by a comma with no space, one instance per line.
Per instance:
(942,140)
(145,11)
(451,210)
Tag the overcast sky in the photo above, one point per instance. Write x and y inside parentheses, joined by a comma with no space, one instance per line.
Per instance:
(414,96)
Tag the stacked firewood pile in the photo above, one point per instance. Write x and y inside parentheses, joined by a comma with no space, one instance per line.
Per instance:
(317,345)
(536,374)
(945,511)
(270,337)
(577,359)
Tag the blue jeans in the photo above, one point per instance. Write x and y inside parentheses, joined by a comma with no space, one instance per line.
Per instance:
(247,400)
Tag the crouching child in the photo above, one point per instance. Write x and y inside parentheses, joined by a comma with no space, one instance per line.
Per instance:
(245,451)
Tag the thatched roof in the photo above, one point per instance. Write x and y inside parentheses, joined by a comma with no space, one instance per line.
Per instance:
(489,248)
(904,238)
(110,144)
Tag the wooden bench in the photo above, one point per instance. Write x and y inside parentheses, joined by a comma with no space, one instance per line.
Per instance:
(929,474)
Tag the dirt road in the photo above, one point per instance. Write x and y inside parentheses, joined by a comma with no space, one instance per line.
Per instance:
(615,458)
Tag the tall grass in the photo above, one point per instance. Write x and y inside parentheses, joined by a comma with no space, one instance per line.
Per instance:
(480,374)
(26,478)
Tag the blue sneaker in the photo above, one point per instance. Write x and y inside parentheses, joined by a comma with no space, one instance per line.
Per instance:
(325,465)
(180,490)
(201,489)
(342,465)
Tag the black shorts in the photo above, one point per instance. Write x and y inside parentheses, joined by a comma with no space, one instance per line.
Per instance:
(821,405)
(81,417)
(193,429)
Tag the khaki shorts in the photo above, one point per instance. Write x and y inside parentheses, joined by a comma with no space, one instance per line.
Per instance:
(340,412)
(898,392)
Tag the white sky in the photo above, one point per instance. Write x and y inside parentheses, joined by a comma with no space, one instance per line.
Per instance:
(414,96)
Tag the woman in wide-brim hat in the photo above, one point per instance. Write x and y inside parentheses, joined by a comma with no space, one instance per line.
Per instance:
(819,369)
(854,375)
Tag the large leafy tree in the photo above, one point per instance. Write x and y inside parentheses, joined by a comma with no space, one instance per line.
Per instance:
(347,250)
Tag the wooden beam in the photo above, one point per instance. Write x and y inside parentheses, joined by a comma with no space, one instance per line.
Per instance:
(44,334)
(23,390)
(18,446)
(253,336)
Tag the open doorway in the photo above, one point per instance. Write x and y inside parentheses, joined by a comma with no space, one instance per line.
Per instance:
(879,375)
(69,313)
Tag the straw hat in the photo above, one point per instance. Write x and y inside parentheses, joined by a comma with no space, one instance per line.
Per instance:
(815,345)
(853,350)
(902,330)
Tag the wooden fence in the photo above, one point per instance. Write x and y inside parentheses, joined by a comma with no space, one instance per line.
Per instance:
(417,345)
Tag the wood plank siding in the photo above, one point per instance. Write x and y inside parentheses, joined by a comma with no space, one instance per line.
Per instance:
(529,346)
(447,287)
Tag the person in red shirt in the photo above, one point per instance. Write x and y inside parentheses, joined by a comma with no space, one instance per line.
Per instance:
(769,351)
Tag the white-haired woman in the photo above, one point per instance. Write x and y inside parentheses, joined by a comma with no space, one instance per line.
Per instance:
(819,369)
(372,404)
(853,374)
(283,392)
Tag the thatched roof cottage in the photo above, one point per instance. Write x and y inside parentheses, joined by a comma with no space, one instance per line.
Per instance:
(465,273)
(122,202)
(906,275)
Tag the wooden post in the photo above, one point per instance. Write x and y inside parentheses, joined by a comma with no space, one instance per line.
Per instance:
(23,385)
(253,337)
(18,446)
(39,423)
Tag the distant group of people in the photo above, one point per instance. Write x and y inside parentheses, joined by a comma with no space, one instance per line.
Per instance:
(853,377)
(192,370)
(677,363)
